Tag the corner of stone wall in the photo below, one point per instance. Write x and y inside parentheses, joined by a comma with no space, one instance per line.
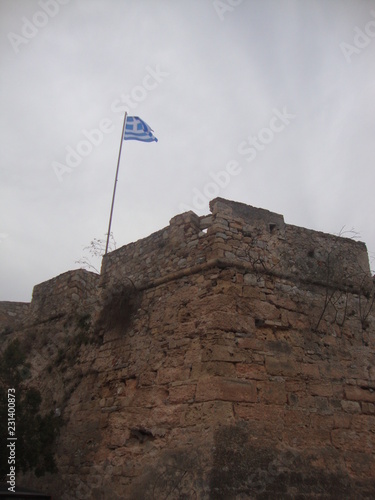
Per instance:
(182,226)
(171,250)
(71,292)
(329,260)
(260,236)
(185,219)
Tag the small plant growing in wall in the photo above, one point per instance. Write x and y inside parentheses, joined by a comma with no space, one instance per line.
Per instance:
(366,300)
(94,252)
(335,306)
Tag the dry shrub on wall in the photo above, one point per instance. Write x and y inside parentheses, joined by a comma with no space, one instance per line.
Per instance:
(120,304)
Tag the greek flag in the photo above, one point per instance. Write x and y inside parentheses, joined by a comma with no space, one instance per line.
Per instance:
(138,130)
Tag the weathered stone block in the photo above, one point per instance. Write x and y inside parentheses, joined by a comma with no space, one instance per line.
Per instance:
(167,375)
(181,393)
(272,392)
(217,388)
(207,413)
(147,397)
(351,406)
(251,371)
(310,370)
(321,389)
(225,353)
(166,415)
(282,365)
(355,393)
(348,440)
(219,368)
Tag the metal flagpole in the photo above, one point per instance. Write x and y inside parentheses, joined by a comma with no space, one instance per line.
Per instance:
(114,187)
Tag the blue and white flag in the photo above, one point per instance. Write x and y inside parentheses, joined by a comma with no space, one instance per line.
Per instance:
(138,130)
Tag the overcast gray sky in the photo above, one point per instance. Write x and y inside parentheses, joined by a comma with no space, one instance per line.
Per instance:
(279,94)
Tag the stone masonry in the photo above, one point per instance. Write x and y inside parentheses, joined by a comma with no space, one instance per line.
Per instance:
(229,356)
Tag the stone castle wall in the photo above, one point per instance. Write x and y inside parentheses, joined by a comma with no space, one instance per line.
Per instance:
(68,292)
(71,292)
(248,237)
(12,315)
(234,358)
(236,233)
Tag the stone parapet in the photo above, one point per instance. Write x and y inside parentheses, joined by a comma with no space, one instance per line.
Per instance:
(262,239)
(177,247)
(241,236)
(73,291)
